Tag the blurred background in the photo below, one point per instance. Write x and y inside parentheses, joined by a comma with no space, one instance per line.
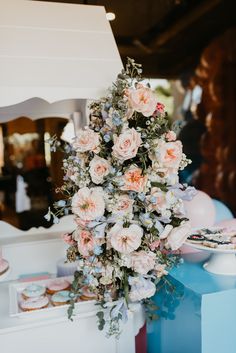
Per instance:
(188,51)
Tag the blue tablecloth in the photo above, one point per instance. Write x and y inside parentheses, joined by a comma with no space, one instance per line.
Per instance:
(198,317)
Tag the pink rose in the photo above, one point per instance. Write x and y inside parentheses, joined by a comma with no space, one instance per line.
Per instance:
(160,108)
(126,144)
(99,168)
(178,236)
(142,262)
(88,204)
(142,99)
(85,241)
(125,240)
(155,244)
(87,140)
(67,238)
(81,222)
(170,136)
(169,154)
(134,180)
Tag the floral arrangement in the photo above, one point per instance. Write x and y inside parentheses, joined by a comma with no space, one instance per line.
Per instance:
(121,183)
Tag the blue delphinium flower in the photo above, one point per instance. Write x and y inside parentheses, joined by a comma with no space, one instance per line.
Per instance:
(107,138)
(98,250)
(116,119)
(55,219)
(61,203)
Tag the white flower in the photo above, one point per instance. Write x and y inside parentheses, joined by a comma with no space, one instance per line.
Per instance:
(88,204)
(125,260)
(142,262)
(141,288)
(107,273)
(125,240)
(160,200)
(126,144)
(178,236)
(99,168)
(123,205)
(168,228)
(172,179)
(87,140)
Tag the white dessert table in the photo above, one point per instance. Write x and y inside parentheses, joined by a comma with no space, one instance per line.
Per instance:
(39,252)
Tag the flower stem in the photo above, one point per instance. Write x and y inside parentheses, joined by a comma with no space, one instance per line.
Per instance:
(126,288)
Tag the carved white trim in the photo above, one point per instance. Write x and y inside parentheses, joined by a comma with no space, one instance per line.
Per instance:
(66,224)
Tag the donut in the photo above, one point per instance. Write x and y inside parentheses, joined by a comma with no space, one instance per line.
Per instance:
(33,291)
(219,239)
(209,244)
(4,266)
(61,298)
(214,238)
(229,246)
(57,285)
(34,303)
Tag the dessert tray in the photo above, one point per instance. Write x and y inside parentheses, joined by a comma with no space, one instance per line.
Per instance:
(221,244)
(15,298)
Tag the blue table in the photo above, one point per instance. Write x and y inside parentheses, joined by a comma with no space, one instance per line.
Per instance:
(198,317)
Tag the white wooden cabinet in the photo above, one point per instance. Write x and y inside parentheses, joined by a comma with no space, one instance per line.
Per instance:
(30,253)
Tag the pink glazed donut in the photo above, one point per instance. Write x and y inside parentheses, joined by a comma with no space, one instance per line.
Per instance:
(57,285)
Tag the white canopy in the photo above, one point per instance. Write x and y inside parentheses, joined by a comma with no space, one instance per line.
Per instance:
(52,52)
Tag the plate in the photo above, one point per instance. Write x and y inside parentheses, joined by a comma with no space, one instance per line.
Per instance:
(211,250)
(221,261)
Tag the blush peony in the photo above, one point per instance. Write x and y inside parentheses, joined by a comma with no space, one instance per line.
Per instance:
(142,99)
(125,240)
(88,204)
(126,144)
